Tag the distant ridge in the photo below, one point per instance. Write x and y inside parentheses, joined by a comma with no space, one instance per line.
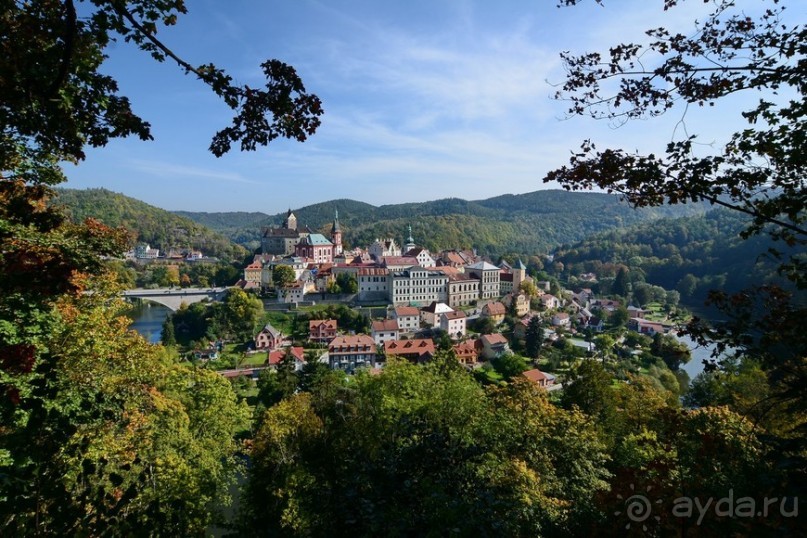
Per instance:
(520,224)
(512,224)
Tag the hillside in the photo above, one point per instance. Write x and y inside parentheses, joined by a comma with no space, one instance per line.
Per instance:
(691,254)
(522,224)
(157,227)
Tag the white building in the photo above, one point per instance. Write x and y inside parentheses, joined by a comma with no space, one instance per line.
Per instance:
(488,276)
(408,318)
(417,285)
(430,315)
(462,290)
(453,323)
(384,247)
(384,330)
(373,284)
(423,257)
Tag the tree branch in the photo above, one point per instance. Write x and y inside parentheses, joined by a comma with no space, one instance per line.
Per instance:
(67,54)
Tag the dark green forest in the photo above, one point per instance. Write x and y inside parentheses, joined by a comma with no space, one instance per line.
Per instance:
(693,254)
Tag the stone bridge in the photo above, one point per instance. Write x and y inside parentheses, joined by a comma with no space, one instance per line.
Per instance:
(174,297)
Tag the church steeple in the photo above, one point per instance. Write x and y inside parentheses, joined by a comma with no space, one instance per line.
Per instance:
(336,234)
(410,242)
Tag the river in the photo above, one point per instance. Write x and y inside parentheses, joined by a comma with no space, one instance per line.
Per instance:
(148,318)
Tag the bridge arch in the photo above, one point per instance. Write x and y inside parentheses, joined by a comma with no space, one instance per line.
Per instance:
(173,298)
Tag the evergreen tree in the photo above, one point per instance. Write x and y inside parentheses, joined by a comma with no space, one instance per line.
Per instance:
(534,337)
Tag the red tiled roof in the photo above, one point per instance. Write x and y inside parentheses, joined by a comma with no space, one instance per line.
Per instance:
(494,309)
(535,375)
(385,325)
(493,339)
(406,311)
(418,347)
(352,343)
(321,323)
(274,357)
(457,314)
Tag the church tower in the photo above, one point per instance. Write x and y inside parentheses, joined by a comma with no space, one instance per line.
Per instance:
(410,243)
(336,234)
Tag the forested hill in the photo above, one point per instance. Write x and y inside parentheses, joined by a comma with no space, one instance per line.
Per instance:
(157,227)
(523,224)
(692,254)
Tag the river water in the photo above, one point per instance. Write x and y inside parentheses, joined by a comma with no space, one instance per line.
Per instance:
(148,318)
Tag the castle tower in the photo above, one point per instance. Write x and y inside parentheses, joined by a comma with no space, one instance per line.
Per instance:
(291,221)
(336,234)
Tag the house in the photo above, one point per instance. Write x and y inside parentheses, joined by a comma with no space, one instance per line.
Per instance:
(292,293)
(422,256)
(520,301)
(636,312)
(408,318)
(520,328)
(540,378)
(549,301)
(642,326)
(268,338)
(495,311)
(493,345)
(274,358)
(252,272)
(384,330)
(322,330)
(351,352)
(467,352)
(396,263)
(418,350)
(561,319)
(430,315)
(453,323)
(609,305)
(383,247)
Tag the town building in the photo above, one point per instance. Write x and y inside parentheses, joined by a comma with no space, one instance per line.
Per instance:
(316,248)
(274,358)
(462,290)
(384,330)
(495,311)
(418,350)
(540,378)
(430,315)
(467,352)
(373,283)
(493,346)
(384,247)
(488,275)
(453,323)
(350,353)
(417,285)
(268,338)
(322,330)
(408,318)
(336,234)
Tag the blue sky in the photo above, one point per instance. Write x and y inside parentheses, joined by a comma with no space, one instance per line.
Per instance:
(423,100)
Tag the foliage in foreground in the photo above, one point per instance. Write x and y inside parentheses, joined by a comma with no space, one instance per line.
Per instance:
(107,433)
